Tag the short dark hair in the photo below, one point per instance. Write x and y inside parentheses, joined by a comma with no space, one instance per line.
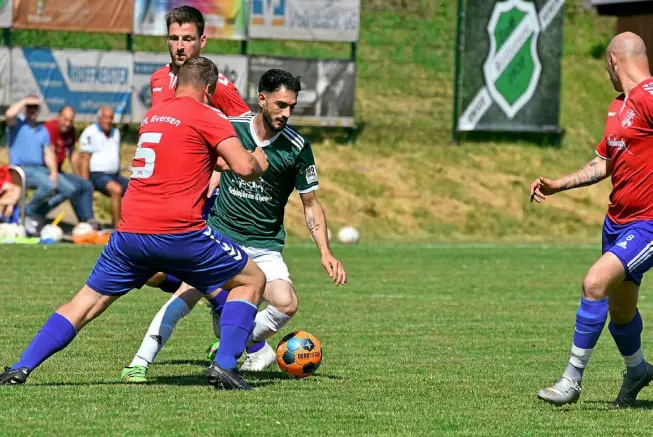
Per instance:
(273,80)
(198,73)
(186,14)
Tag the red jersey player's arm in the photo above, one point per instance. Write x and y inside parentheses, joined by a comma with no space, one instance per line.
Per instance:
(247,166)
(594,171)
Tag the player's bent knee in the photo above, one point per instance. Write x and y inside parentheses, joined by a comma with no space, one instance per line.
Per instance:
(594,287)
(284,299)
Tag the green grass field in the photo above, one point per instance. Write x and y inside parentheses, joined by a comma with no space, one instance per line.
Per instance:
(439,340)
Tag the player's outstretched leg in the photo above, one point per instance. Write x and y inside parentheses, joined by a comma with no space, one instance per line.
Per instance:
(160,330)
(57,332)
(236,325)
(603,277)
(282,306)
(626,329)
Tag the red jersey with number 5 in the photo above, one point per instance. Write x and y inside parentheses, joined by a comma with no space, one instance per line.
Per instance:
(226,97)
(172,166)
(628,144)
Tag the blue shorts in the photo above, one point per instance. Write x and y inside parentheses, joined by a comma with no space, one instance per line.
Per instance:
(204,259)
(100,181)
(209,204)
(632,243)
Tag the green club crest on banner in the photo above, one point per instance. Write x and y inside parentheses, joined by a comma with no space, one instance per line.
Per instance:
(512,68)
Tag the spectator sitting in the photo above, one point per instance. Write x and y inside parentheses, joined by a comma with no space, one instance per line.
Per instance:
(29,147)
(62,136)
(99,159)
(9,195)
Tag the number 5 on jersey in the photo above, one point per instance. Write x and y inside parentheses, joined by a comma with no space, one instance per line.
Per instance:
(146,155)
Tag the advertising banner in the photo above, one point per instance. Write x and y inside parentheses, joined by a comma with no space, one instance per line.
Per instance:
(327,95)
(84,79)
(115,16)
(314,20)
(224,19)
(146,63)
(511,66)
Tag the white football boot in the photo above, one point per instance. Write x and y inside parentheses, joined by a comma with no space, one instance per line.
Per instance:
(565,391)
(259,360)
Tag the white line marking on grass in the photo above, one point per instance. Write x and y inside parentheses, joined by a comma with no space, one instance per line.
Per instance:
(455,246)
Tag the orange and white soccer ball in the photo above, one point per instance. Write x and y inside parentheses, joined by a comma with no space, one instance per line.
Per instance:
(299,354)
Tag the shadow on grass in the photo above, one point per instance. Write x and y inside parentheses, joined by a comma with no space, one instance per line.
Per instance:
(605,406)
(200,380)
(202,363)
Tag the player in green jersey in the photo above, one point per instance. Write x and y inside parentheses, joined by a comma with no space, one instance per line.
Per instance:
(251,214)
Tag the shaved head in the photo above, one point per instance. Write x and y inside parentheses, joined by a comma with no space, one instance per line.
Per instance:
(628,45)
(626,61)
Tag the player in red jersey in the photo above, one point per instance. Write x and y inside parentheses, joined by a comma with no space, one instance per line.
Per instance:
(626,155)
(162,227)
(186,39)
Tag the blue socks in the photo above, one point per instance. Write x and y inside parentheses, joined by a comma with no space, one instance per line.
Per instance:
(236,324)
(55,335)
(628,337)
(255,347)
(219,300)
(170,284)
(590,319)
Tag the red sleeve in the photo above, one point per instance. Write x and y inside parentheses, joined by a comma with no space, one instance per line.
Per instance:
(646,102)
(228,100)
(214,126)
(5,175)
(155,97)
(602,149)
(53,130)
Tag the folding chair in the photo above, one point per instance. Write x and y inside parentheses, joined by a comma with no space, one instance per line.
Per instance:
(18,177)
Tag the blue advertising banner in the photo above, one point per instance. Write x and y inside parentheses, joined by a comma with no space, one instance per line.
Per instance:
(86,80)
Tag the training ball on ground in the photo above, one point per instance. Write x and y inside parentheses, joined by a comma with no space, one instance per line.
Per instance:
(82,228)
(299,354)
(348,235)
(51,234)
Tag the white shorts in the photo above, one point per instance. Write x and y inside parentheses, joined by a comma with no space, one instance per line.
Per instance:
(270,261)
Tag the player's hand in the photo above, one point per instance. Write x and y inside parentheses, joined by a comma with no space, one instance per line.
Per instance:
(261,157)
(334,268)
(542,187)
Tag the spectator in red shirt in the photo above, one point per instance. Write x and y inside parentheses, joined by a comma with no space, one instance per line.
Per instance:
(62,140)
(9,194)
(62,136)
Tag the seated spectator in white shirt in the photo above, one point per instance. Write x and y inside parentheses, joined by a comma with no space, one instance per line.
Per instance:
(99,159)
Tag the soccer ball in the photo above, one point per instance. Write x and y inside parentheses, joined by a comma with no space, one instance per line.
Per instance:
(348,235)
(9,232)
(299,354)
(51,234)
(82,228)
